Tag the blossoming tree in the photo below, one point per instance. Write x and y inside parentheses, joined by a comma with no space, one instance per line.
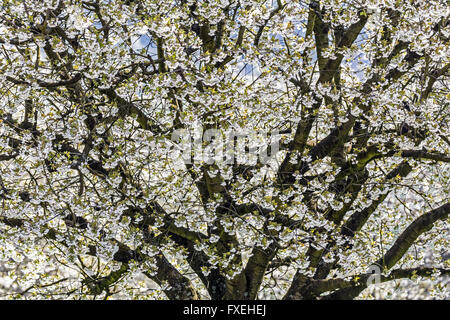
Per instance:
(97,201)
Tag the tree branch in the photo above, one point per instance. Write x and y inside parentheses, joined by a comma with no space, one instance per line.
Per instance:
(412,232)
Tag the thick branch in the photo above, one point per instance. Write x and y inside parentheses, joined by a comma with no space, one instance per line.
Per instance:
(349,289)
(412,232)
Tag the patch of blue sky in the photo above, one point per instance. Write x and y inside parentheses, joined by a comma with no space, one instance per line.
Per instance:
(359,64)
